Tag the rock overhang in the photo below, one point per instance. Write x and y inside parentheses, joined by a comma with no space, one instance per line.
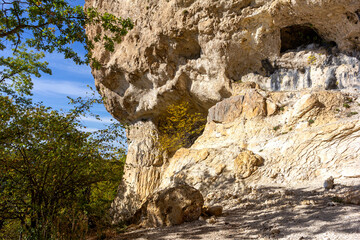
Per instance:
(210,52)
(194,50)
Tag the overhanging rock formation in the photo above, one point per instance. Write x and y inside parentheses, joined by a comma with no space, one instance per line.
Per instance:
(299,116)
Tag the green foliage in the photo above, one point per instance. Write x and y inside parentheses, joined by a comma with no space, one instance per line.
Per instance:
(348,100)
(276,127)
(48,26)
(346,105)
(55,179)
(19,67)
(54,24)
(311,121)
(179,127)
(350,114)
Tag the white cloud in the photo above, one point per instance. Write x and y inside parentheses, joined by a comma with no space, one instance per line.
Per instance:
(67,88)
(72,68)
(57,60)
(102,120)
(87,129)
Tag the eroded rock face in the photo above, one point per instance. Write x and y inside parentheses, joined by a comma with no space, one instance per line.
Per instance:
(142,171)
(194,49)
(310,137)
(249,105)
(296,108)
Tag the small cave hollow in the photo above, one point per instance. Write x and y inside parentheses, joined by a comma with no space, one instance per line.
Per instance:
(179,125)
(188,48)
(296,36)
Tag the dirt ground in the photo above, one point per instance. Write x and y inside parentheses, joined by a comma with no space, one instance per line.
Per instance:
(271,213)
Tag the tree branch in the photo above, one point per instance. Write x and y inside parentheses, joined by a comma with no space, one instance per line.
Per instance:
(19,27)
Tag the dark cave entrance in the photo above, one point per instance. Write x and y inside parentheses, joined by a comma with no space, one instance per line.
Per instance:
(295,36)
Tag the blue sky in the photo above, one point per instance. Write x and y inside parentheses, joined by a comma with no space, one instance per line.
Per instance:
(68,79)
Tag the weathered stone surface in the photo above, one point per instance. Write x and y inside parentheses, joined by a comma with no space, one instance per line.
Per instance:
(268,91)
(351,197)
(211,220)
(304,105)
(297,151)
(171,206)
(312,67)
(195,49)
(142,170)
(249,105)
(212,211)
(246,163)
(329,183)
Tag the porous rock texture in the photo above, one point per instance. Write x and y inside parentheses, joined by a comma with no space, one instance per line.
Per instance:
(277,79)
(171,206)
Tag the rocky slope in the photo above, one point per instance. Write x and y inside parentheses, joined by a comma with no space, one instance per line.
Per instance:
(278,80)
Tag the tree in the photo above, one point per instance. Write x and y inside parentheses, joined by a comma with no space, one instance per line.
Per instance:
(179,127)
(50,170)
(48,26)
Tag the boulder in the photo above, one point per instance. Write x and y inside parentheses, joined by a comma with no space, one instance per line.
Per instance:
(213,210)
(171,206)
(329,183)
(246,163)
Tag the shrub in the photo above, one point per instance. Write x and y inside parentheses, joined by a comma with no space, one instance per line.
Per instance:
(179,127)
(276,127)
(54,178)
(351,114)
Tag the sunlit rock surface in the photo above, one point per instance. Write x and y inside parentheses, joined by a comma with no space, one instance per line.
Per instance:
(279,79)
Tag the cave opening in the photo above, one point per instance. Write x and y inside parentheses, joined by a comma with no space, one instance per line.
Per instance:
(295,36)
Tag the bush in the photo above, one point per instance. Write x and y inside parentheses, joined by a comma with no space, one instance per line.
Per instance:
(179,127)
(54,178)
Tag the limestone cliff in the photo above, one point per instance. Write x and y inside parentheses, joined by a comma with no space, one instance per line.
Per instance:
(279,81)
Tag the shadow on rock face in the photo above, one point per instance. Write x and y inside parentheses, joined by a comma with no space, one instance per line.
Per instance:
(296,36)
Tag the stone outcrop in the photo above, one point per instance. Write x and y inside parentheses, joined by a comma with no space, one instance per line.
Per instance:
(195,49)
(172,206)
(280,149)
(246,164)
(249,105)
(278,80)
